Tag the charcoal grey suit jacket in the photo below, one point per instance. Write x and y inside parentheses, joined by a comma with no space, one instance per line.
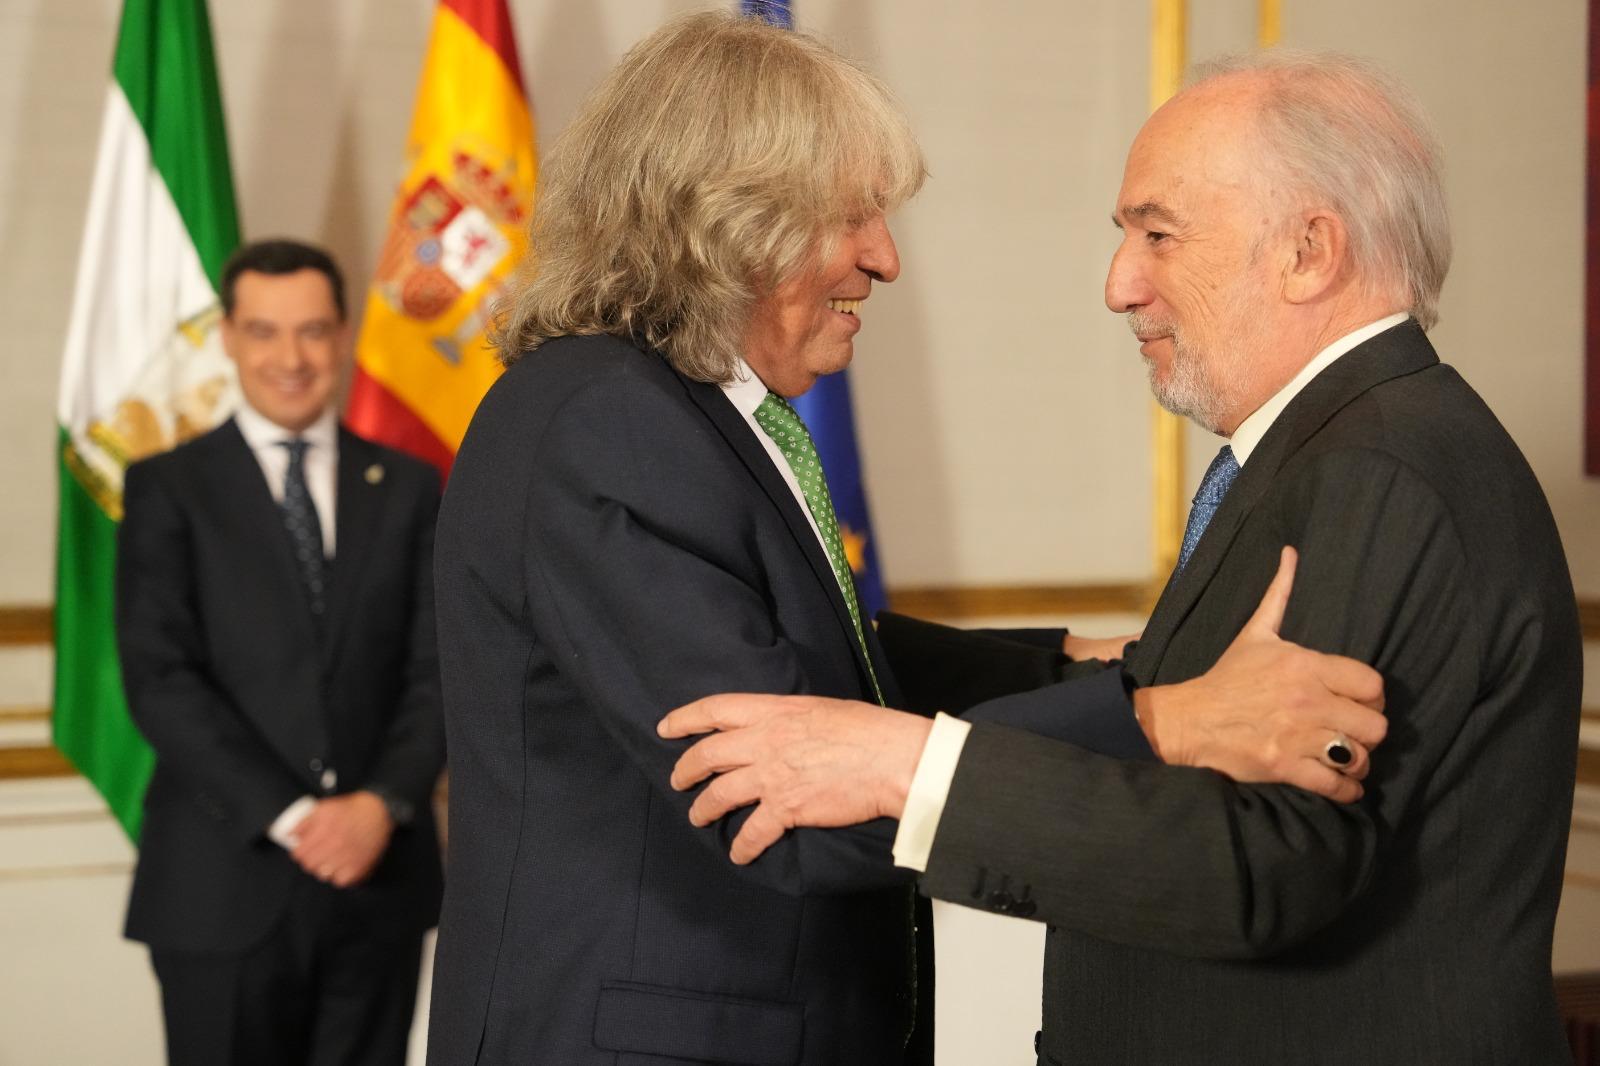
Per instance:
(1194,920)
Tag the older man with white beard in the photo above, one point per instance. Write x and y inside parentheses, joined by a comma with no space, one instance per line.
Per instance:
(1284,244)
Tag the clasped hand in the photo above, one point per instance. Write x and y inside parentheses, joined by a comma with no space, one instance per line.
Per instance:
(342,839)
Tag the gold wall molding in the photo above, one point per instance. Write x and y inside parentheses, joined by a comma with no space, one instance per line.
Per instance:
(26,625)
(988,601)
(14,821)
(24,714)
(22,763)
(1589,618)
(59,873)
(32,625)
(1588,766)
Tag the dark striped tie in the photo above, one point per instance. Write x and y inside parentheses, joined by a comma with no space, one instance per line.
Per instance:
(305,529)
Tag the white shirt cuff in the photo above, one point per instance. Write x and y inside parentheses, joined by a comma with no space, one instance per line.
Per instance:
(930,787)
(282,830)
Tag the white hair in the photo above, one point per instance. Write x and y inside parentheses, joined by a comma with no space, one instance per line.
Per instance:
(1342,130)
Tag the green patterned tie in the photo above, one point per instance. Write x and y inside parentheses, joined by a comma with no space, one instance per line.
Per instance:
(780,422)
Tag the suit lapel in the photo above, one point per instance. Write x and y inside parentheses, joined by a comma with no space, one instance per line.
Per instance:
(362,481)
(250,528)
(741,438)
(1394,353)
(234,475)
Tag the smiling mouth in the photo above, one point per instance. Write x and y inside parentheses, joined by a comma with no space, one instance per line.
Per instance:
(291,384)
(848,307)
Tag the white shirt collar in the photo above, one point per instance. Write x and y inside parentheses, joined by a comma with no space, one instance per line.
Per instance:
(1252,429)
(746,390)
(261,432)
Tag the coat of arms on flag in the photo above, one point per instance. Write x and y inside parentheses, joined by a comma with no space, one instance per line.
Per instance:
(446,240)
(456,232)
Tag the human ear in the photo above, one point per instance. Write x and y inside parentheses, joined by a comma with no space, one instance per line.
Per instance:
(1321,246)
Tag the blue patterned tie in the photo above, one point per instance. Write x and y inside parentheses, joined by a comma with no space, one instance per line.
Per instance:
(1213,487)
(305,529)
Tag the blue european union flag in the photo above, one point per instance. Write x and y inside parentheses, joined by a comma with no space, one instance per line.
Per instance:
(827,412)
(774,11)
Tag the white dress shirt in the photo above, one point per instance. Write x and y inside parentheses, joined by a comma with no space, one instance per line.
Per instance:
(265,439)
(930,784)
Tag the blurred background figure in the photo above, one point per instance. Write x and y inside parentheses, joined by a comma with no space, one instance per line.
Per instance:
(275,626)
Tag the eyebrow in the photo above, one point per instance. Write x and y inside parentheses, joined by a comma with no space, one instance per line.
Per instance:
(1147,210)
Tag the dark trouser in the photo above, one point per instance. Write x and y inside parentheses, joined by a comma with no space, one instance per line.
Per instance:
(321,990)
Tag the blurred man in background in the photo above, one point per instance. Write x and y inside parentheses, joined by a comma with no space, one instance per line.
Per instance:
(275,624)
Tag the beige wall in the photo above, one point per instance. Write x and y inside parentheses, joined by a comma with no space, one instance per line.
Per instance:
(993,353)
(1003,413)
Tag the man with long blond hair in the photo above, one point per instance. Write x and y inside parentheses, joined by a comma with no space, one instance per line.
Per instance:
(622,534)
(637,518)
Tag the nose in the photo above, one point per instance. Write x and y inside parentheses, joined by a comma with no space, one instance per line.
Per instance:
(296,352)
(1126,286)
(876,254)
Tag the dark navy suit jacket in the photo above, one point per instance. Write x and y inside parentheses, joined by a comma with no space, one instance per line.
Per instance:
(248,709)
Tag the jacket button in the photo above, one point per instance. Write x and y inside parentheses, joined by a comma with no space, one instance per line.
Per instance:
(1002,901)
(1024,908)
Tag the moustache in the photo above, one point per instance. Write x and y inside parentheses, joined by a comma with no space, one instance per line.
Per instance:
(1147,326)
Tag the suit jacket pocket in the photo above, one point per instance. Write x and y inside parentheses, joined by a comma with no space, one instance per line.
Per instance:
(675,1022)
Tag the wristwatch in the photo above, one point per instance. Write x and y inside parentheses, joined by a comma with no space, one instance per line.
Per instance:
(400,810)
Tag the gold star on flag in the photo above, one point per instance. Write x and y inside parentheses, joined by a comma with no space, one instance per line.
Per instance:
(855,548)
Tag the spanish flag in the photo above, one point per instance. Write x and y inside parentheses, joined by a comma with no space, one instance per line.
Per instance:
(457,229)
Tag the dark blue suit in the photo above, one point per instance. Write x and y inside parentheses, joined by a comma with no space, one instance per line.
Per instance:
(249,706)
(616,542)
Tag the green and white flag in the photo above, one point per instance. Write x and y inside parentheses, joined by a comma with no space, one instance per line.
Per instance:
(143,368)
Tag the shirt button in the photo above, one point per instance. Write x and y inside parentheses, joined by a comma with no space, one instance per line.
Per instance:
(316,766)
(329,779)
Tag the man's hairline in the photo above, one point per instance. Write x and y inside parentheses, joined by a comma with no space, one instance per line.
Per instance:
(340,319)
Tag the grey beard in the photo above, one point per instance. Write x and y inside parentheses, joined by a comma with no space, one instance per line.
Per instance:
(1189,392)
